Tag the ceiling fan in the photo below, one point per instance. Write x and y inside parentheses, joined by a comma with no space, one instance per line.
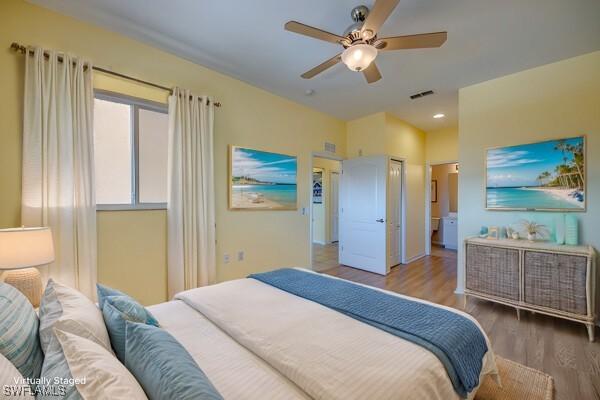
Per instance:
(361,43)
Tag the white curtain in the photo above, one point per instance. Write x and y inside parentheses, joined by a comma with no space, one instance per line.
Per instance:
(191,207)
(58,163)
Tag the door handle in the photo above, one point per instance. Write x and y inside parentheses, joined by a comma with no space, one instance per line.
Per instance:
(379,220)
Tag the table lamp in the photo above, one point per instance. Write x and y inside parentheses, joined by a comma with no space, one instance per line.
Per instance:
(21,250)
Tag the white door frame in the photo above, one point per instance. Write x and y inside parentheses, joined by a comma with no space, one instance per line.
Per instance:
(331,208)
(403,198)
(328,156)
(428,166)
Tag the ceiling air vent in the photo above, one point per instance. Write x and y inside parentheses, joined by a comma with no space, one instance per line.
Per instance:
(421,94)
(330,147)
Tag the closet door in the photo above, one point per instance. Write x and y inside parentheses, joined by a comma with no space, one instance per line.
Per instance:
(363,192)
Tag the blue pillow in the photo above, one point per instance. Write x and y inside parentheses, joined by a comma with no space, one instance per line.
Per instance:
(116,311)
(19,337)
(163,367)
(56,367)
(105,292)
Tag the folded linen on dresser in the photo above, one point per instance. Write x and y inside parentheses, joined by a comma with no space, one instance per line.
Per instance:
(455,340)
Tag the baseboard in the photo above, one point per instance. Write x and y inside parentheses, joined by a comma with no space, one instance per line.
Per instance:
(415,258)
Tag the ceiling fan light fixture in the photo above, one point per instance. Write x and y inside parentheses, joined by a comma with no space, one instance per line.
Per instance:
(359,56)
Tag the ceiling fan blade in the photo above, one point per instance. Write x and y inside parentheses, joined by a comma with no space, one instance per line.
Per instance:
(372,73)
(377,16)
(313,32)
(424,40)
(322,67)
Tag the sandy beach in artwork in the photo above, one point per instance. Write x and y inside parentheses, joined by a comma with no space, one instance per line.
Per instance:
(561,193)
(253,200)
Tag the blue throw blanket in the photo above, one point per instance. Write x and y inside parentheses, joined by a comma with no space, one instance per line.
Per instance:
(454,339)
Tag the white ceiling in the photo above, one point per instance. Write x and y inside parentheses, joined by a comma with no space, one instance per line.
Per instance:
(246,39)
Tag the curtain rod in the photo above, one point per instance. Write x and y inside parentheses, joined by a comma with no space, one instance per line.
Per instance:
(19,48)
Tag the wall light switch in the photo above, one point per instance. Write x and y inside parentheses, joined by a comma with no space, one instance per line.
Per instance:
(240,255)
(226,258)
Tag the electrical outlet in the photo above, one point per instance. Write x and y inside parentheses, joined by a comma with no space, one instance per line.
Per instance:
(240,255)
(226,258)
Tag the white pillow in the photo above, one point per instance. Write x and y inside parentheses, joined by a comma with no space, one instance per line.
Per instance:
(70,311)
(12,385)
(105,377)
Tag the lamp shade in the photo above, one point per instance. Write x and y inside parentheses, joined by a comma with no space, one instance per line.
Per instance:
(25,247)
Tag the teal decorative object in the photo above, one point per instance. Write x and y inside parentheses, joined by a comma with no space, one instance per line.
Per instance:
(571,230)
(559,229)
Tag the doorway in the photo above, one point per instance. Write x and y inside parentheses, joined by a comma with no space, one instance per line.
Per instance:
(372,212)
(442,207)
(325,212)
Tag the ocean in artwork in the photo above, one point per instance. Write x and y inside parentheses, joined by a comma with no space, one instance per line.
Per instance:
(262,180)
(547,175)
(530,199)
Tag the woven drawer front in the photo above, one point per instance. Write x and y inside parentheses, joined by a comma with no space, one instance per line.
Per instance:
(493,271)
(556,281)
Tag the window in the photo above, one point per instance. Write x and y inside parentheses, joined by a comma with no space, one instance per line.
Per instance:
(130,145)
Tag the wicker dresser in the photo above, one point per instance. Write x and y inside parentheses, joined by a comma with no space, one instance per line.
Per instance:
(535,276)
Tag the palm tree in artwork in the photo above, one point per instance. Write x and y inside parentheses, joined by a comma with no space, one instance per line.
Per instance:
(570,173)
(543,178)
(577,152)
(562,146)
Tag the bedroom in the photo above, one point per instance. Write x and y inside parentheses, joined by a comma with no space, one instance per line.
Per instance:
(532,96)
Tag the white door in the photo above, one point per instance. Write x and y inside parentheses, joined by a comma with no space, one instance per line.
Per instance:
(335,206)
(395,213)
(362,213)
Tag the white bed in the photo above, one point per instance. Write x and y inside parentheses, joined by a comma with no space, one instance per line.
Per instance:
(255,341)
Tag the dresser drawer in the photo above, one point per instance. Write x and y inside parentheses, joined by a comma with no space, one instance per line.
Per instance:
(556,281)
(493,271)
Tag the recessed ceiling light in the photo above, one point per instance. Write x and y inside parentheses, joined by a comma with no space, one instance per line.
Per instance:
(438,116)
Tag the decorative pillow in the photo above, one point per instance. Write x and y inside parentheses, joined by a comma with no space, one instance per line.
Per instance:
(56,367)
(12,384)
(105,292)
(163,367)
(94,372)
(72,312)
(116,311)
(19,339)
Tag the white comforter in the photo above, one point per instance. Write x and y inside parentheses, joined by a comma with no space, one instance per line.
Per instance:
(235,372)
(326,354)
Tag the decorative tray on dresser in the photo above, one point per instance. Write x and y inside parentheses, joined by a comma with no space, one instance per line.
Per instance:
(544,277)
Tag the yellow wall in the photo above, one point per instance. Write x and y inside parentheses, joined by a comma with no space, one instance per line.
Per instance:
(249,117)
(442,145)
(382,133)
(549,102)
(328,166)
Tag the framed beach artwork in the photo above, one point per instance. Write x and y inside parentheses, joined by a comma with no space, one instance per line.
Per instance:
(543,176)
(260,180)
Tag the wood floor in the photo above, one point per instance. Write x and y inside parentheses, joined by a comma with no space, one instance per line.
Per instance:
(557,347)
